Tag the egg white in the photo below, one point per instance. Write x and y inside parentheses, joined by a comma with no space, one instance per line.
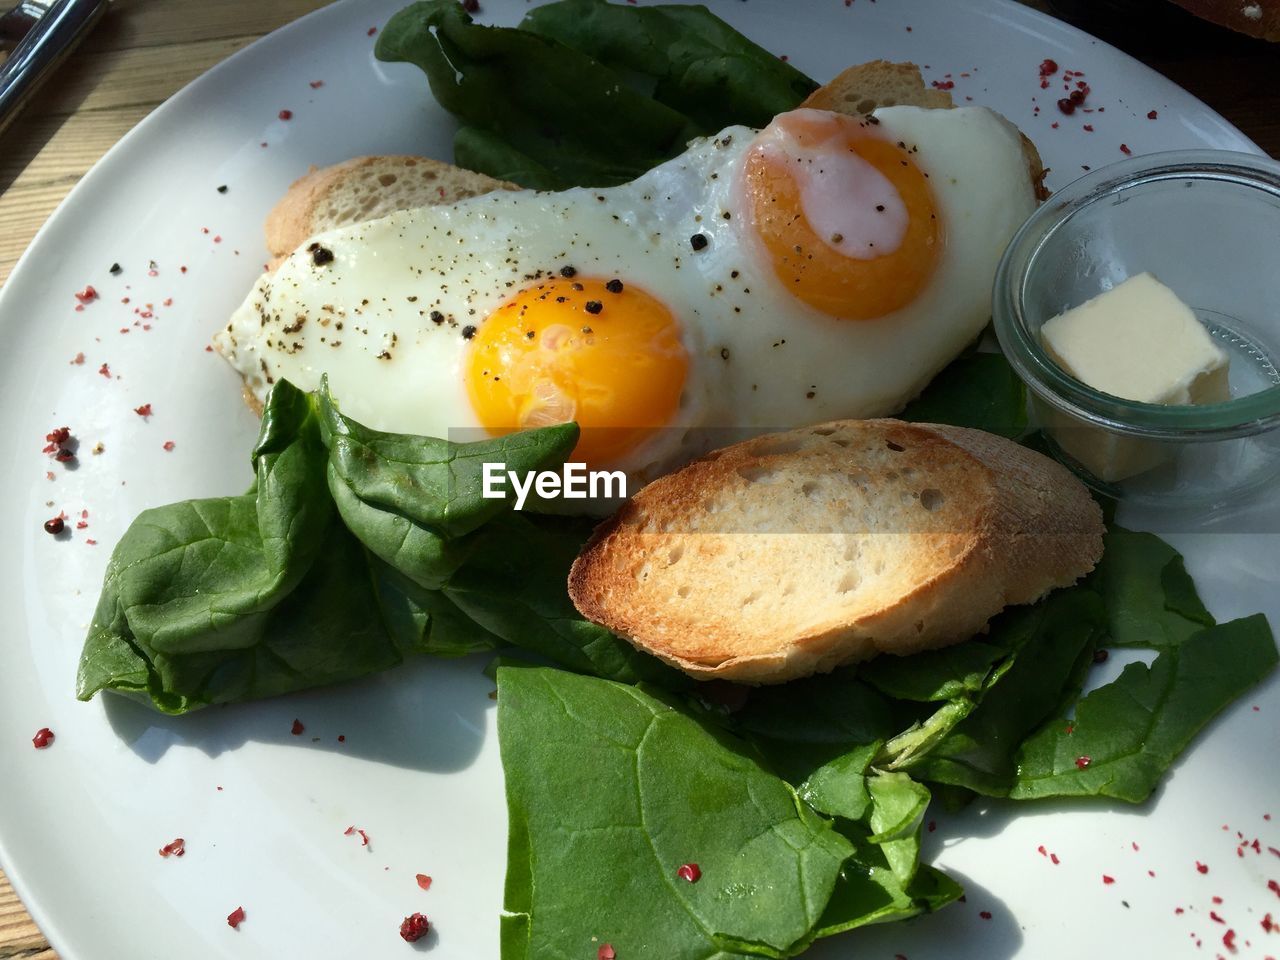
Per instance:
(758,358)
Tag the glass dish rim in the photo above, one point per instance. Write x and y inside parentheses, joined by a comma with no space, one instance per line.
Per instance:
(1241,416)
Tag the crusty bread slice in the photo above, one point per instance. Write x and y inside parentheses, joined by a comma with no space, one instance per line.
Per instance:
(364,188)
(865,87)
(793,553)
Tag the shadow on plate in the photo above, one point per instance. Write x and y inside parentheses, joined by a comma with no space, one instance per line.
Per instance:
(428,715)
(980,928)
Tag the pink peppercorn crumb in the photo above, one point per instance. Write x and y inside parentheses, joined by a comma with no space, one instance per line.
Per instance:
(285,114)
(985,914)
(168,446)
(316,84)
(1202,867)
(1108,880)
(297,728)
(87,295)
(606,952)
(1124,148)
(235,918)
(371,31)
(424,881)
(1083,762)
(414,927)
(1151,115)
(43,737)
(174,848)
(690,872)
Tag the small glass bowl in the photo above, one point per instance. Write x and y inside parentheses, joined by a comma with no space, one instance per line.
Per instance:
(1207,224)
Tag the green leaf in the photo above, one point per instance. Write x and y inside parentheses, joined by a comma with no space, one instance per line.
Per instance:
(689,59)
(611,789)
(560,109)
(978,390)
(1151,601)
(211,601)
(1133,728)
(1049,638)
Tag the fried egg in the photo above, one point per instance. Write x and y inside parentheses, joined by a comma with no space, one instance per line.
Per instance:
(825,267)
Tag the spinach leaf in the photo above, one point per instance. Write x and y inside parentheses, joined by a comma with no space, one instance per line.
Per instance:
(687,57)
(587,93)
(1133,728)
(1050,639)
(1151,601)
(210,601)
(978,390)
(531,95)
(610,790)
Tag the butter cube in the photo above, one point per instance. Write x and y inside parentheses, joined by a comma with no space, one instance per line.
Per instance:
(1140,342)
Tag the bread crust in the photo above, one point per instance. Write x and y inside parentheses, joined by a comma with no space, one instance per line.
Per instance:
(363,188)
(865,87)
(1012,525)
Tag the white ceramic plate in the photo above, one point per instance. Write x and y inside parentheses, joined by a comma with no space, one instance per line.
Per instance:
(81,822)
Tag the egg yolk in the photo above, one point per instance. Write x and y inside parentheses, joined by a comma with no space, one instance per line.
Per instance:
(846,218)
(595,351)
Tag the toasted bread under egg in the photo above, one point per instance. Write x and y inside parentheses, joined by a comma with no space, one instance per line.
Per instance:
(364,188)
(864,87)
(793,553)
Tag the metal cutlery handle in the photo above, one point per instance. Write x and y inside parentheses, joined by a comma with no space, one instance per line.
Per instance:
(46,44)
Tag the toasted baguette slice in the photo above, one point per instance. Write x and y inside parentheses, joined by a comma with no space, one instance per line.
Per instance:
(364,188)
(865,87)
(793,553)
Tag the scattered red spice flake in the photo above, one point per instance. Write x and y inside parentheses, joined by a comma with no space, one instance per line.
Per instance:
(471,6)
(105,371)
(1124,148)
(297,728)
(48,475)
(414,927)
(371,31)
(933,825)
(1083,762)
(1229,940)
(78,360)
(91,542)
(168,446)
(1042,851)
(1088,128)
(424,881)
(1217,899)
(606,951)
(1265,816)
(783,57)
(690,872)
(1134,844)
(943,84)
(174,848)
(1213,915)
(1151,873)
(235,918)
(1274,887)
(182,269)
(316,84)
(143,411)
(42,739)
(908,29)
(1268,925)
(217,238)
(1179,911)
(342,738)
(1273,851)
(1054,125)
(1108,880)
(87,295)
(1151,114)
(985,914)
(1202,867)
(1053,858)
(285,114)
(364,837)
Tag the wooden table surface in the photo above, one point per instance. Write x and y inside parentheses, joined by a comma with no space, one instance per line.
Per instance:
(145,50)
